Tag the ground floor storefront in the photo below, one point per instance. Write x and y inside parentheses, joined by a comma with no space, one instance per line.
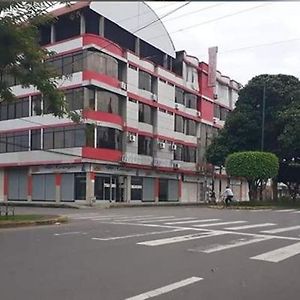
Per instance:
(96,182)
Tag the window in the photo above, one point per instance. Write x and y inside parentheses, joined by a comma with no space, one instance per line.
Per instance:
(74,99)
(66,64)
(179,123)
(223,113)
(35,139)
(191,100)
(109,138)
(179,153)
(145,145)
(179,95)
(217,111)
(190,154)
(15,109)
(14,142)
(145,113)
(145,81)
(108,102)
(102,63)
(64,137)
(191,127)
(36,105)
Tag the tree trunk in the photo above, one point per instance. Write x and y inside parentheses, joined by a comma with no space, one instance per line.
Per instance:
(252,190)
(275,189)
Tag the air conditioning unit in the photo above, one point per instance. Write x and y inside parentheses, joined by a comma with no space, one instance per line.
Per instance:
(215,96)
(176,106)
(199,114)
(131,138)
(154,97)
(173,147)
(162,145)
(176,165)
(123,85)
(215,120)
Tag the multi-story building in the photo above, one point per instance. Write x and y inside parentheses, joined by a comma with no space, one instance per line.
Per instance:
(148,114)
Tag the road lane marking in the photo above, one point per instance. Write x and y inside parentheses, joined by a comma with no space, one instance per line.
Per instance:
(284,210)
(142,218)
(232,244)
(279,254)
(166,289)
(296,212)
(168,219)
(250,226)
(283,229)
(123,218)
(220,223)
(136,235)
(96,216)
(190,222)
(182,238)
(69,233)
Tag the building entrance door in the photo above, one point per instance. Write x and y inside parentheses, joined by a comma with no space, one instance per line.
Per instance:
(106,187)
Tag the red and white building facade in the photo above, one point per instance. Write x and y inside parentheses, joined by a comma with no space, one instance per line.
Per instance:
(148,115)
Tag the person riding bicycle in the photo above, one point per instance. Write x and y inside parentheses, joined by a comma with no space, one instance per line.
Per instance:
(228,195)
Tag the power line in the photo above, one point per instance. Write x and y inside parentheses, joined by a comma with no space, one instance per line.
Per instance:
(195,12)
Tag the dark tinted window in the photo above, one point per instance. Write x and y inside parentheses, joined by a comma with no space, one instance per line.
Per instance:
(35,139)
(191,101)
(179,95)
(145,81)
(145,113)
(190,127)
(179,123)
(109,138)
(108,102)
(145,145)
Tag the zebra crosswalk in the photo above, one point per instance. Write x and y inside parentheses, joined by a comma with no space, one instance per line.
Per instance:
(216,234)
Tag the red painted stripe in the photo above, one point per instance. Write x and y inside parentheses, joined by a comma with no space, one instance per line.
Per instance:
(103,43)
(89,75)
(5,183)
(29,185)
(103,116)
(102,154)
(58,179)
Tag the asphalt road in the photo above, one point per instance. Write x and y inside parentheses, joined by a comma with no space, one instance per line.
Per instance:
(161,253)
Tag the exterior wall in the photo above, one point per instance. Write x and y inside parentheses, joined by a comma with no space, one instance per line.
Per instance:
(189,192)
(1,184)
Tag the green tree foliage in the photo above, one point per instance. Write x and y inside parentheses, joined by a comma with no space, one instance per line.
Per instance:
(254,166)
(242,130)
(21,55)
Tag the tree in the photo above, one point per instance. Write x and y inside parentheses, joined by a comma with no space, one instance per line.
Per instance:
(243,126)
(22,58)
(254,166)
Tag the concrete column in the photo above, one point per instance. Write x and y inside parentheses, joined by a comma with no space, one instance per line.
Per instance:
(29,186)
(82,24)
(165,61)
(156,189)
(90,187)
(127,189)
(1,184)
(179,188)
(52,38)
(137,46)
(5,186)
(57,187)
(101,26)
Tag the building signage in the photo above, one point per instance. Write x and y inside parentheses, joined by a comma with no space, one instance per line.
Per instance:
(212,66)
(60,169)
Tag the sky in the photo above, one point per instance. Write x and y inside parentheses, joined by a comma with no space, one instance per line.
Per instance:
(252,37)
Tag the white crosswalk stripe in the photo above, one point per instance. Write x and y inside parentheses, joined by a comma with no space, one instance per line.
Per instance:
(280,254)
(285,210)
(167,219)
(191,222)
(282,229)
(232,244)
(219,224)
(152,219)
(123,218)
(250,226)
(182,238)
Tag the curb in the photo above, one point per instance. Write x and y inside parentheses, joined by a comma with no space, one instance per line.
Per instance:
(49,221)
(39,204)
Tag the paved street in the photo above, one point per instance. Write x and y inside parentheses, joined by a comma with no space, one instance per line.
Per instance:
(161,253)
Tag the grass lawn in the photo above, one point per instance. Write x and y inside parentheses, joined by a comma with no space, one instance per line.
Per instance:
(21,218)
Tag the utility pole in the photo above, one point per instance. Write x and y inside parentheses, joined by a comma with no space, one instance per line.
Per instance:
(263,118)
